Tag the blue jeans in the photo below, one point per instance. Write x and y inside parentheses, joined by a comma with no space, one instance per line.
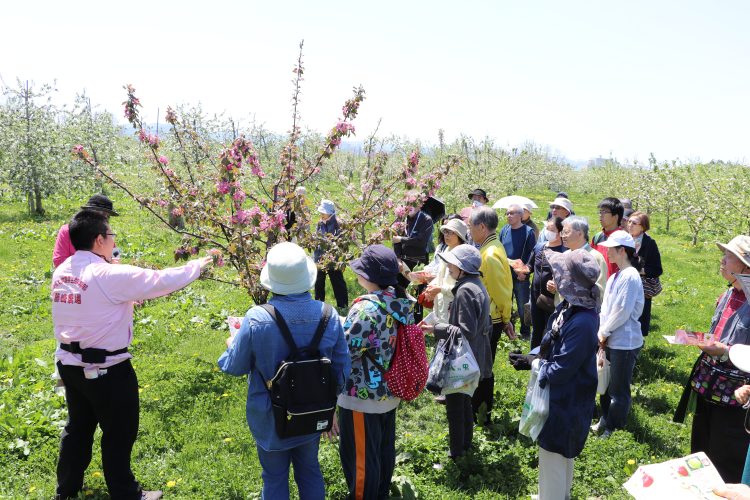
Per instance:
(307,473)
(522,291)
(615,403)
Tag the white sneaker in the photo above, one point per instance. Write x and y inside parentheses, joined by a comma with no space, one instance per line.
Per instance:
(595,427)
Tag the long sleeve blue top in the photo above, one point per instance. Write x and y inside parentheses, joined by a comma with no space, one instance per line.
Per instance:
(258,348)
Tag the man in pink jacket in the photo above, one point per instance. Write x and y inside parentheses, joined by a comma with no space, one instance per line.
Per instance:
(63,246)
(92,313)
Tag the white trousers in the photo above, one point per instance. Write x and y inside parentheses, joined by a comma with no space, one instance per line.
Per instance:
(555,476)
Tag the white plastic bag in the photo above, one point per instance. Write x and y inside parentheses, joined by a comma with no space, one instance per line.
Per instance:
(602,371)
(535,407)
(463,376)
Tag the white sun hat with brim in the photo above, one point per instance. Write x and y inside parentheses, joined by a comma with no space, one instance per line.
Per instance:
(562,202)
(739,355)
(327,207)
(619,238)
(288,270)
(740,247)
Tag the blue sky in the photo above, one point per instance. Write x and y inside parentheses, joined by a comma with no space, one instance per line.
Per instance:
(585,78)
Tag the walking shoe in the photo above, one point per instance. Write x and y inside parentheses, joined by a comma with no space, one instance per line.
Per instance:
(440,399)
(595,428)
(151,495)
(605,434)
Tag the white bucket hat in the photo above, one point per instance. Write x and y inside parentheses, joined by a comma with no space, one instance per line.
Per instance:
(619,238)
(327,207)
(288,270)
(564,203)
(739,355)
(740,247)
(457,226)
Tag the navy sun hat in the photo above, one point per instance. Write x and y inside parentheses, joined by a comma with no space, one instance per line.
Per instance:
(377,264)
(100,203)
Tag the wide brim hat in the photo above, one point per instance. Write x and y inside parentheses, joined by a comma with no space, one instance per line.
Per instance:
(480,192)
(575,273)
(740,247)
(327,207)
(100,203)
(562,202)
(466,257)
(457,226)
(619,238)
(378,264)
(288,270)
(739,355)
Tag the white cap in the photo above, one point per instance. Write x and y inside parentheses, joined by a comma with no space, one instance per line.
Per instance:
(739,355)
(619,238)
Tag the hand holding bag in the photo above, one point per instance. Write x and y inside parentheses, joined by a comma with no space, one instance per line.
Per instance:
(535,407)
(463,375)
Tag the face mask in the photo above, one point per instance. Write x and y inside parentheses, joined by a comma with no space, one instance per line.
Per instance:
(550,235)
(476,203)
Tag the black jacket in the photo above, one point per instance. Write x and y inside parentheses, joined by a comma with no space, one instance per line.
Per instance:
(649,254)
(418,234)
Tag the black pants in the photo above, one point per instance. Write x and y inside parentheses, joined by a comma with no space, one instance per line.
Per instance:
(539,318)
(338,284)
(719,432)
(367,448)
(485,392)
(645,318)
(111,401)
(460,423)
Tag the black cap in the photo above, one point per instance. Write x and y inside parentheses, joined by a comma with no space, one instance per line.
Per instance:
(377,264)
(480,192)
(100,203)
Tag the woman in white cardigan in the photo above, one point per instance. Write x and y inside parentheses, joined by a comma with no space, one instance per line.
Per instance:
(619,330)
(439,290)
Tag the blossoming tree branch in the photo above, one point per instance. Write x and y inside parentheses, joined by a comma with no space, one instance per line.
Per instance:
(237,209)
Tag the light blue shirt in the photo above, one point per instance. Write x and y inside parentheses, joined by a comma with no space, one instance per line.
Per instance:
(621,309)
(258,348)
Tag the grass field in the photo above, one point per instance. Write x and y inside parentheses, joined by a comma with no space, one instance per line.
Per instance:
(194,441)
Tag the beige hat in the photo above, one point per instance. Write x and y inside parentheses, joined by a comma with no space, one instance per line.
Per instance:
(288,270)
(562,202)
(457,226)
(739,246)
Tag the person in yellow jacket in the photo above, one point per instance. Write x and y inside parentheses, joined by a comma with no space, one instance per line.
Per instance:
(495,274)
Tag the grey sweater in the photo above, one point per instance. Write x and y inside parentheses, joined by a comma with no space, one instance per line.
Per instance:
(470,317)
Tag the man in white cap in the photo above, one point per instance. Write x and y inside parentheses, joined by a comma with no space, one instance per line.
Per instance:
(257,350)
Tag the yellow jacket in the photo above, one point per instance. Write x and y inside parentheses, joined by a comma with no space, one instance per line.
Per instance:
(496,278)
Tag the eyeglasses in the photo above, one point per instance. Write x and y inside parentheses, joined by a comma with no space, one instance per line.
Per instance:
(634,223)
(605,212)
(110,234)
(447,232)
(512,213)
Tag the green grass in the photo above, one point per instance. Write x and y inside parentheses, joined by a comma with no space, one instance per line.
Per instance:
(194,441)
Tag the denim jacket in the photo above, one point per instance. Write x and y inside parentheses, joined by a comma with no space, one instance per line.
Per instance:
(258,348)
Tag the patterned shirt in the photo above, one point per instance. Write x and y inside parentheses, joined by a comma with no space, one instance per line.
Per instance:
(736,299)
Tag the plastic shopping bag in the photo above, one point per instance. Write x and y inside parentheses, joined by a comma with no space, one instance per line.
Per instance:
(535,407)
(439,366)
(463,376)
(602,372)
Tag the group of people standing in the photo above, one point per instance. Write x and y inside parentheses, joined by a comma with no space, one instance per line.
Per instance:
(582,295)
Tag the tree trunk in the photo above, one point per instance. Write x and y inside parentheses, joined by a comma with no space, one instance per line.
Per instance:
(38,209)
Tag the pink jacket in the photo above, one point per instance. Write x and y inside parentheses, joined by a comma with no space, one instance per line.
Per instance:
(92,302)
(63,246)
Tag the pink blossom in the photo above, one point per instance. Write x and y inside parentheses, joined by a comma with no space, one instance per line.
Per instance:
(239,195)
(240,217)
(178,211)
(254,212)
(162,203)
(414,159)
(400,211)
(411,182)
(78,148)
(169,172)
(163,160)
(335,140)
(217,255)
(388,203)
(257,171)
(222,187)
(344,128)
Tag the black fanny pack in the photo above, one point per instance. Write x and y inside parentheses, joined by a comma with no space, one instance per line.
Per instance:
(91,354)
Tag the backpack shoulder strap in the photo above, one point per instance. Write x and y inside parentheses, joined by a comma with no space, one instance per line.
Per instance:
(321,328)
(279,319)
